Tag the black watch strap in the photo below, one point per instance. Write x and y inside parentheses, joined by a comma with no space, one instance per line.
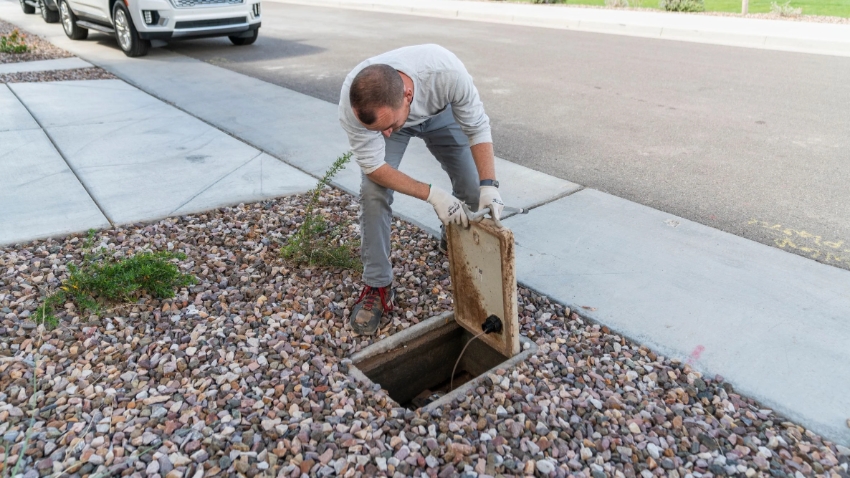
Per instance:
(489,182)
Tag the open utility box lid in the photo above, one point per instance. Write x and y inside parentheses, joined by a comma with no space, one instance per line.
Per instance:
(484,281)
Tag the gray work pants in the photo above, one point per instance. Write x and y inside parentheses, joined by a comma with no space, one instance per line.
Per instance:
(450,146)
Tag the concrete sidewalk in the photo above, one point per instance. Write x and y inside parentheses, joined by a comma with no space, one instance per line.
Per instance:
(773,324)
(804,37)
(78,155)
(40,196)
(43,65)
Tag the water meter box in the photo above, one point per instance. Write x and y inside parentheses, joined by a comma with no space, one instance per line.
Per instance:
(415,365)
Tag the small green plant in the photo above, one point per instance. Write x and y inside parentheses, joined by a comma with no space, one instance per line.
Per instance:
(13,42)
(617,3)
(785,9)
(682,5)
(99,280)
(318,242)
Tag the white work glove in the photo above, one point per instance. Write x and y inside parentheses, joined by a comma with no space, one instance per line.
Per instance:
(489,196)
(448,208)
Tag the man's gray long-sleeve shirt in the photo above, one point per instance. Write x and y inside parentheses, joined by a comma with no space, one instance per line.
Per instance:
(439,80)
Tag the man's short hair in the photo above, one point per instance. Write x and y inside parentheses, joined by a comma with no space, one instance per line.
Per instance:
(374,87)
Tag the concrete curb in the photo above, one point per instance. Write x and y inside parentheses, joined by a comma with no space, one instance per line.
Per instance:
(781,35)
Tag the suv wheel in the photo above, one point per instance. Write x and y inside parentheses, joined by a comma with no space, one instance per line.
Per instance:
(69,22)
(49,16)
(27,8)
(237,40)
(126,33)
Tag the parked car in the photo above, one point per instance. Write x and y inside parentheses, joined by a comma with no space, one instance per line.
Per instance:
(135,23)
(48,8)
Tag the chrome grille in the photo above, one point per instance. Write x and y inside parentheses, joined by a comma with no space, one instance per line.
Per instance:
(204,3)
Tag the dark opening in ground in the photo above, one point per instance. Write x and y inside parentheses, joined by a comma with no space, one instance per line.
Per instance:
(420,372)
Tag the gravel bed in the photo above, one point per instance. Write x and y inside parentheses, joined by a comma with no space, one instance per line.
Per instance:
(244,374)
(92,73)
(39,48)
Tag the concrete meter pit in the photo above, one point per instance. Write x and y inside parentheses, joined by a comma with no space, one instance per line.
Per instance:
(415,366)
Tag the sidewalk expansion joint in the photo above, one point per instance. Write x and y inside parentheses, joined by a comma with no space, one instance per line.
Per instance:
(62,155)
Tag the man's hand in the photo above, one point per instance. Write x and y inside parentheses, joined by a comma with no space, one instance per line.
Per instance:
(488,196)
(448,208)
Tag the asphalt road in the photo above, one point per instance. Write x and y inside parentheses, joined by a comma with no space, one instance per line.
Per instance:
(755,143)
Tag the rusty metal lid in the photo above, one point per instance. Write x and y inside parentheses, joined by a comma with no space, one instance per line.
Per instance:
(484,281)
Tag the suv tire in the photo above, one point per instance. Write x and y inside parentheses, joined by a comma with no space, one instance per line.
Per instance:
(49,16)
(69,22)
(126,34)
(239,41)
(27,8)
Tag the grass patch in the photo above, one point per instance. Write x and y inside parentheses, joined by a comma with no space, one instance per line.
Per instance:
(834,8)
(100,280)
(319,242)
(13,42)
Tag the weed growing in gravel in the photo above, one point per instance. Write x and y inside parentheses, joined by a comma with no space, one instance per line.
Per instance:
(785,9)
(13,43)
(100,279)
(28,431)
(29,428)
(318,242)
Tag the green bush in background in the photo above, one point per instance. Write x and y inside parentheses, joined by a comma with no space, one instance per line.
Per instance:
(13,43)
(682,5)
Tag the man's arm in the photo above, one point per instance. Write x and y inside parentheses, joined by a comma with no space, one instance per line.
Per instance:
(482,153)
(448,208)
(391,178)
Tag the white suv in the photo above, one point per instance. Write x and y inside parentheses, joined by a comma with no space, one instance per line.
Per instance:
(136,22)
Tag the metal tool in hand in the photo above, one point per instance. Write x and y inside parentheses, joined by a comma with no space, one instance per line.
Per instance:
(477,216)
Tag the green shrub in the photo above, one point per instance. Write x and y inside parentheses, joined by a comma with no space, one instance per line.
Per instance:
(100,280)
(682,5)
(318,242)
(13,43)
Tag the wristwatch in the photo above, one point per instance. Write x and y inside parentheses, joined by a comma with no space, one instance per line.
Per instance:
(489,182)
